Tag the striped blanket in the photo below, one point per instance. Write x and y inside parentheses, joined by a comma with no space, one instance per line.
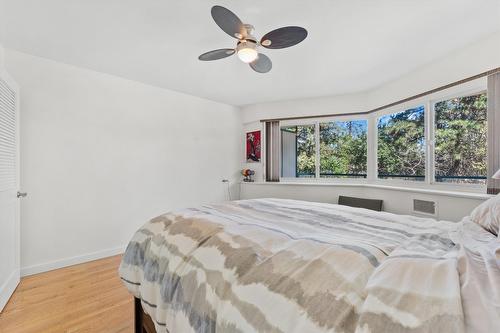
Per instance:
(272,265)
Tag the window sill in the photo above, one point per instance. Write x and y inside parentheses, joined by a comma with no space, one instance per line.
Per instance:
(435,190)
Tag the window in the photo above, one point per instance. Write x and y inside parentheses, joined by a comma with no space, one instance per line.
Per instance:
(461,140)
(440,139)
(343,149)
(401,145)
(298,151)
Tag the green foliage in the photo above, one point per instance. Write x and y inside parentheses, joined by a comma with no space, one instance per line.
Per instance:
(306,152)
(461,136)
(401,144)
(343,148)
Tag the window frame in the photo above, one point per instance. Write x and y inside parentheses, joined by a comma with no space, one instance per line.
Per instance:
(393,110)
(342,119)
(432,143)
(306,122)
(475,87)
(316,122)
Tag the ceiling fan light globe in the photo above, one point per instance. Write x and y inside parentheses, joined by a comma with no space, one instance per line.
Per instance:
(247,55)
(247,51)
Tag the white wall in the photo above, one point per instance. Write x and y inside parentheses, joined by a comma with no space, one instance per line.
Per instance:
(471,60)
(101,155)
(305,107)
(450,206)
(2,56)
(476,58)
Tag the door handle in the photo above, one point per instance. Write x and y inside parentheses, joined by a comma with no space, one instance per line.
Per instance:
(21,194)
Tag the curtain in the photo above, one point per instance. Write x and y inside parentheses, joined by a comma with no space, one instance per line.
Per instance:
(493,132)
(272,151)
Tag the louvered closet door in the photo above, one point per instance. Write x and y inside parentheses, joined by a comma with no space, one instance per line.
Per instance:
(9,184)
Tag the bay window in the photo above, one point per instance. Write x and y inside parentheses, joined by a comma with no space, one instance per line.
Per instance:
(437,139)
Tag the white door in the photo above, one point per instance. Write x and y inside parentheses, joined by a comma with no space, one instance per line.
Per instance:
(9,185)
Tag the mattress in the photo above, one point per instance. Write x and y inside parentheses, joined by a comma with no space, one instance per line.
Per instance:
(274,265)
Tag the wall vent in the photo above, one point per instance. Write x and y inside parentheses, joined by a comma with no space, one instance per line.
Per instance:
(425,207)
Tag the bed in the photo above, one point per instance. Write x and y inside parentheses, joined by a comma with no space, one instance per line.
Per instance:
(274,265)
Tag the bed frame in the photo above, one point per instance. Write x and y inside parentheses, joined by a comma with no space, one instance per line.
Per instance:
(142,321)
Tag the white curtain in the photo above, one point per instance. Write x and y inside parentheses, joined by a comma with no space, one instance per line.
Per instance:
(493,132)
(272,151)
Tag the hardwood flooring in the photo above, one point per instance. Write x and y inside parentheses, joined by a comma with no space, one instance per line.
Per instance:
(83,298)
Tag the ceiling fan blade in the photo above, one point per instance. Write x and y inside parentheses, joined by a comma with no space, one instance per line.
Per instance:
(228,21)
(216,54)
(262,64)
(283,37)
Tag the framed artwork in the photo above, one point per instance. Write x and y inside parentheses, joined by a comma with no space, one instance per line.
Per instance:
(253,147)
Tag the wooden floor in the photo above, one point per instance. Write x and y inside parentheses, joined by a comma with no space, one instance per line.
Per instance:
(84,298)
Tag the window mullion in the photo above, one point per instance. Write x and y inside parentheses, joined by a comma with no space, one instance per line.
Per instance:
(371,163)
(317,148)
(429,139)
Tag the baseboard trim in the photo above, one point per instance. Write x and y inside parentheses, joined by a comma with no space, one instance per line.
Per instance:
(49,266)
(8,288)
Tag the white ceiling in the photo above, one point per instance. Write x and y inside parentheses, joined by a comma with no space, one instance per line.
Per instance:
(353,45)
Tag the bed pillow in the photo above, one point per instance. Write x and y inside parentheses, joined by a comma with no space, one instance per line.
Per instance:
(487,214)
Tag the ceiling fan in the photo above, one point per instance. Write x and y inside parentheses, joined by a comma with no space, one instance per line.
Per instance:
(247,45)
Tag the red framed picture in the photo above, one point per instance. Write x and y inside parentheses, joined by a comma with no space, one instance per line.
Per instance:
(253,147)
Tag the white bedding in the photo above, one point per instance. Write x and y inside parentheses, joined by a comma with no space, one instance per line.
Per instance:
(271,265)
